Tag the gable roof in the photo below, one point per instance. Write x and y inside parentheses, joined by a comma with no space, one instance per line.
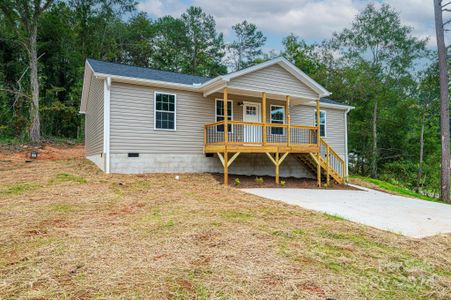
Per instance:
(108,68)
(141,75)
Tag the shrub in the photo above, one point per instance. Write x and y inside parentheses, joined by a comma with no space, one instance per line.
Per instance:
(259,180)
(283,183)
(237,181)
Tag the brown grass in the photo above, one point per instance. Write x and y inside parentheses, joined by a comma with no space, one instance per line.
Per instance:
(69,231)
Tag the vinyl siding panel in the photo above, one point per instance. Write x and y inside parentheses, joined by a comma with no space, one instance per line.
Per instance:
(273,78)
(94,119)
(132,121)
(335,127)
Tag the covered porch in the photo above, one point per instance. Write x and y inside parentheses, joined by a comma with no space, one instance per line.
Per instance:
(273,133)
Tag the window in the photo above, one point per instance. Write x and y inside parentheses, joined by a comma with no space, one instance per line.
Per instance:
(277,117)
(322,124)
(220,114)
(164,111)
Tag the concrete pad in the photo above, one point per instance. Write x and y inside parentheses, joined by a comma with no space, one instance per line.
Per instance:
(407,216)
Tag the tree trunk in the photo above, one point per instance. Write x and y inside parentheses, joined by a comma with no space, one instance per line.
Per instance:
(444,104)
(374,148)
(35,129)
(420,168)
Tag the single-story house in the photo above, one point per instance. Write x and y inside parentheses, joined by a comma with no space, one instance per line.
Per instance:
(142,120)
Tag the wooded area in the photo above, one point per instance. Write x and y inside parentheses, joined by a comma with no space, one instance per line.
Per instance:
(376,65)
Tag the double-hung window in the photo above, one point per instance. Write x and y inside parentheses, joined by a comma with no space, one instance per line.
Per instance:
(165,111)
(322,122)
(277,117)
(220,114)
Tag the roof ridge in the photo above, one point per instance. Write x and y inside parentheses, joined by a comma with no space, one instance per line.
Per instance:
(146,68)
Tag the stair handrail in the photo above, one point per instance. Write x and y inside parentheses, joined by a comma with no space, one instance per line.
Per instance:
(335,154)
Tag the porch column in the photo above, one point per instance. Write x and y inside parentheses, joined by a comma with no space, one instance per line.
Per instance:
(287,109)
(226,117)
(264,117)
(318,140)
(226,168)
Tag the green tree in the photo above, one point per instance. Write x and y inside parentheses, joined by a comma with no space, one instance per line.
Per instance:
(205,46)
(24,15)
(385,52)
(247,46)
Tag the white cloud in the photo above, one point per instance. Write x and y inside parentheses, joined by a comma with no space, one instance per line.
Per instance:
(310,19)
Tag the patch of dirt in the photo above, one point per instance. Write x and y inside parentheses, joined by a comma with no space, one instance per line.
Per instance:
(270,182)
(21,153)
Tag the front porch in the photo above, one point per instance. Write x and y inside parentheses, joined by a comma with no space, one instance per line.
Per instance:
(278,138)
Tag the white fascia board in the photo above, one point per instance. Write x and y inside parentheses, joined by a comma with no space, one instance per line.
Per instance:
(132,80)
(86,86)
(347,108)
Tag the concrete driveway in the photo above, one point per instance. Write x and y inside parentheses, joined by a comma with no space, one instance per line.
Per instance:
(407,216)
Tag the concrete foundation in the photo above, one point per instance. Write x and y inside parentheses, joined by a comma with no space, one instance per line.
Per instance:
(98,159)
(245,164)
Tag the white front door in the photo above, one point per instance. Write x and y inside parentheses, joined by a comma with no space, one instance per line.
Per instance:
(252,113)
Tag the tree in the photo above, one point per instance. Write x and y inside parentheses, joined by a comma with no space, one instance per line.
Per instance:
(28,12)
(379,44)
(439,7)
(205,48)
(247,46)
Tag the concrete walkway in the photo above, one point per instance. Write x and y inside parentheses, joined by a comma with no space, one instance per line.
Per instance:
(407,216)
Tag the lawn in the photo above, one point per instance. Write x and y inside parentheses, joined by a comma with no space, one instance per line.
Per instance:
(69,231)
(389,188)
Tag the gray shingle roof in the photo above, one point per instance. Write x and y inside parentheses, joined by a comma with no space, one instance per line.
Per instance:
(330,101)
(144,73)
(154,74)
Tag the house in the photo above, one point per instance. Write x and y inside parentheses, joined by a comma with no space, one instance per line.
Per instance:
(141,120)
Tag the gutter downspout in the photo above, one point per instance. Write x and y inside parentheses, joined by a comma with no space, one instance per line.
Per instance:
(106,122)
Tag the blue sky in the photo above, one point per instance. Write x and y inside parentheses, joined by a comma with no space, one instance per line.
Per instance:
(313,20)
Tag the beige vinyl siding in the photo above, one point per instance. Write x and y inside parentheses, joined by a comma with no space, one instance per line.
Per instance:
(335,127)
(273,78)
(132,121)
(94,118)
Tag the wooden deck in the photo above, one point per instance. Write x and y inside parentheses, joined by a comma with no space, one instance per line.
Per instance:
(229,138)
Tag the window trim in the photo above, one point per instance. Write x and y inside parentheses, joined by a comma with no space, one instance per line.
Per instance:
(283,121)
(216,113)
(325,122)
(155,111)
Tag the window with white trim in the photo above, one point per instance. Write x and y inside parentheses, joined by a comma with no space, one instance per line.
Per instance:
(219,112)
(277,116)
(322,124)
(164,111)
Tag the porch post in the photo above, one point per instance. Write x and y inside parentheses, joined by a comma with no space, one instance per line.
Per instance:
(226,168)
(318,140)
(264,117)
(277,167)
(226,117)
(287,109)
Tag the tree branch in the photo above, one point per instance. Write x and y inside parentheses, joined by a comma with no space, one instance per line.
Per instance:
(16,93)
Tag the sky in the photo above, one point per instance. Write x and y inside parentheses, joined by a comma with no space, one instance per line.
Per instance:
(313,20)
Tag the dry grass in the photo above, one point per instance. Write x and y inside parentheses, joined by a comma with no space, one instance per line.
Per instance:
(69,231)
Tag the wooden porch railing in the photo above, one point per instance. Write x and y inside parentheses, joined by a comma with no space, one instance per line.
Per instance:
(249,133)
(332,161)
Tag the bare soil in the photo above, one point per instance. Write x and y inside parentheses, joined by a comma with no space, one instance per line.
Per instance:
(69,231)
(270,182)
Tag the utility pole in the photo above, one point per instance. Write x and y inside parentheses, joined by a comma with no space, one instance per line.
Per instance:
(439,7)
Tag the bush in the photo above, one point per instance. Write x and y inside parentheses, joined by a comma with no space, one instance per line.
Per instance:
(237,181)
(259,180)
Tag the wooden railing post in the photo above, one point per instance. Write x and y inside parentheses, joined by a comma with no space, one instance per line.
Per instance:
(287,109)
(226,116)
(264,117)
(328,164)
(318,140)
